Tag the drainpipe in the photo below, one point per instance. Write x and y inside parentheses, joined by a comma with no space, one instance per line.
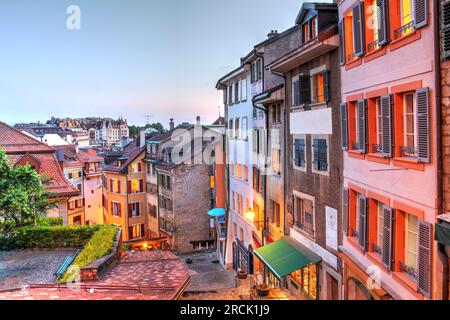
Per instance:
(437,59)
(286,139)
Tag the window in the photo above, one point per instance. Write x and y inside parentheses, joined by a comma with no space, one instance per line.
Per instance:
(306,36)
(304,215)
(238,171)
(134,209)
(244,89)
(295,91)
(149,169)
(165,181)
(230,129)
(234,230)
(236,92)
(244,130)
(411,236)
(136,231)
(406,19)
(320,154)
(237,129)
(115,185)
(233,200)
(318,87)
(314,28)
(410,143)
(241,234)
(276,113)
(379,125)
(275,218)
(240,204)
(136,186)
(380,227)
(245,173)
(116,209)
(136,167)
(276,161)
(230,94)
(256,70)
(258,180)
(299,153)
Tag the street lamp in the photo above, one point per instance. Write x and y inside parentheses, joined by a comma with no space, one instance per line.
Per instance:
(250,214)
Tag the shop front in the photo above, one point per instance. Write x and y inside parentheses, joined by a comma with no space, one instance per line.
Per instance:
(291,267)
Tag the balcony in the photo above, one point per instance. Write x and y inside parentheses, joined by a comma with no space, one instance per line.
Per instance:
(403,30)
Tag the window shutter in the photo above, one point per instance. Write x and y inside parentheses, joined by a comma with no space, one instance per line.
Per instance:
(420,13)
(386,125)
(254,178)
(344,126)
(362,228)
(130,233)
(141,185)
(342,42)
(358,29)
(424,258)
(345,210)
(423,125)
(445,28)
(387,248)
(326,85)
(130,210)
(362,126)
(111,185)
(128,186)
(143,230)
(316,154)
(296,92)
(305,89)
(119,209)
(139,167)
(323,155)
(383,26)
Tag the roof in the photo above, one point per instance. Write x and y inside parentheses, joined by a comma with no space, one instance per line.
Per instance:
(14,141)
(285,256)
(70,156)
(140,275)
(314,6)
(129,154)
(17,145)
(219,121)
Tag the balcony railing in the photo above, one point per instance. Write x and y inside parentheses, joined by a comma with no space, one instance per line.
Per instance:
(408,151)
(408,270)
(400,32)
(356,145)
(372,46)
(376,148)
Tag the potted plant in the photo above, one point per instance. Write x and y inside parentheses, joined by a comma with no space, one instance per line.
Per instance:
(242,274)
(262,290)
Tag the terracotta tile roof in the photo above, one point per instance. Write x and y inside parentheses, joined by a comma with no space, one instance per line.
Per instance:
(130,153)
(14,141)
(17,144)
(89,157)
(142,275)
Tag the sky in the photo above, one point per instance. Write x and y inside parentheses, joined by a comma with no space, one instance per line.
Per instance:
(130,58)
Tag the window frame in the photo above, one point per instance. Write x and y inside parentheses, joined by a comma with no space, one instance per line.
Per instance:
(299,196)
(320,137)
(300,137)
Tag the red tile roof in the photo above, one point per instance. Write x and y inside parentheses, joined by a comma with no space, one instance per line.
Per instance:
(14,141)
(142,275)
(17,144)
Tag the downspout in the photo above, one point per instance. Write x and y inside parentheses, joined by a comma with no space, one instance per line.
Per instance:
(439,163)
(286,139)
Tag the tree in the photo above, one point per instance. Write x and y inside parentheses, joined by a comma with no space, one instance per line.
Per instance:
(134,130)
(23,197)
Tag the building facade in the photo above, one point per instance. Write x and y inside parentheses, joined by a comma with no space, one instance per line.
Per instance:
(389,134)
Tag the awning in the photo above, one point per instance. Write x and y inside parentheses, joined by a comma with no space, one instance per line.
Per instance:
(285,256)
(217,212)
(442,233)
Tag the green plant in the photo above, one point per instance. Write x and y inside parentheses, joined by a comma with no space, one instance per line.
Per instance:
(49,221)
(98,246)
(45,236)
(126,247)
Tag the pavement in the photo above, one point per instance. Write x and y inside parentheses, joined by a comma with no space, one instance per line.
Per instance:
(24,267)
(141,275)
(210,280)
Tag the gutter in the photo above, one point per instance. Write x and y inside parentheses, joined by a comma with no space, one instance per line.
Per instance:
(439,163)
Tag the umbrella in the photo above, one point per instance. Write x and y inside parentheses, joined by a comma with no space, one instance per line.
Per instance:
(217,212)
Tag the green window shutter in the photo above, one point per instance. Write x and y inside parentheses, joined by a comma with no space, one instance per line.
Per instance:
(358,29)
(423,125)
(420,13)
(387,125)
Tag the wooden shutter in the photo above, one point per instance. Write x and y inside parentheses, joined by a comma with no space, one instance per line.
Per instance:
(130,210)
(345,210)
(424,248)
(141,185)
(388,230)
(119,209)
(386,125)
(118,187)
(445,5)
(130,233)
(383,25)
(128,186)
(305,89)
(344,126)
(254,178)
(423,125)
(326,85)
(358,29)
(111,185)
(362,228)
(296,92)
(139,167)
(362,125)
(420,13)
(342,42)
(316,154)
(143,230)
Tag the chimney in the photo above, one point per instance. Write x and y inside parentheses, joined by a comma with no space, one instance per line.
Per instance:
(272,33)
(171,124)
(198,120)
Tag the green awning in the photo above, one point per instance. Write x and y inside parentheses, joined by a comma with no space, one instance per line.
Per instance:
(442,233)
(285,256)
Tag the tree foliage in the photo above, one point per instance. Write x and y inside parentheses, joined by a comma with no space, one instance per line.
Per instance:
(22,193)
(134,130)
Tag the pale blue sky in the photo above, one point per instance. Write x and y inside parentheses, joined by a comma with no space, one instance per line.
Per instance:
(130,58)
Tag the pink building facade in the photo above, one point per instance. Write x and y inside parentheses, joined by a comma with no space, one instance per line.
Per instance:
(388,119)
